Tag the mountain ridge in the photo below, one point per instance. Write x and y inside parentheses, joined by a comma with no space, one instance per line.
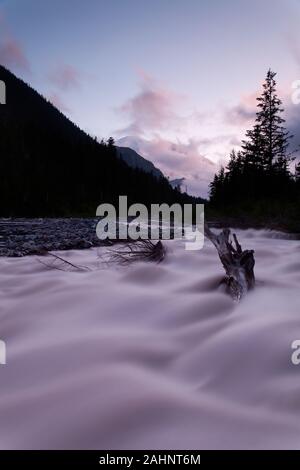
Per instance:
(135,160)
(49,166)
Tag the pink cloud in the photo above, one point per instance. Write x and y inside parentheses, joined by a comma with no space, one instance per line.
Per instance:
(12,55)
(244,112)
(11,51)
(153,117)
(151,109)
(65,77)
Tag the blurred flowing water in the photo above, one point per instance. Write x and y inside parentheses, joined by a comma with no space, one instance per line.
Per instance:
(151,356)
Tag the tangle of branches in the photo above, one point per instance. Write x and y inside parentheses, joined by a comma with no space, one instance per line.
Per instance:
(141,250)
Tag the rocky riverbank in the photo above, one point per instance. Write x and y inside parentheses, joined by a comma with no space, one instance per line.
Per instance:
(20,237)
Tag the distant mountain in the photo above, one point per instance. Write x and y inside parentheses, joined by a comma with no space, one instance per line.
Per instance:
(48,166)
(134,160)
(177,183)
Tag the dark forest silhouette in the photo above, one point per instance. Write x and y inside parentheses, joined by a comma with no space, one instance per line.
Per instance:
(258,180)
(48,166)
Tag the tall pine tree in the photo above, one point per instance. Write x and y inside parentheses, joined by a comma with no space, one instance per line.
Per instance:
(272,135)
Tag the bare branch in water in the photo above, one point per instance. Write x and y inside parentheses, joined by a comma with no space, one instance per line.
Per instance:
(61,264)
(141,250)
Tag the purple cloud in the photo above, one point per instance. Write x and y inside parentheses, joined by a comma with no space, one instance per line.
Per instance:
(152,109)
(153,118)
(11,51)
(65,77)
(244,112)
(12,55)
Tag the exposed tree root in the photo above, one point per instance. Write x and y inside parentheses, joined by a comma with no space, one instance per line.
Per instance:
(238,263)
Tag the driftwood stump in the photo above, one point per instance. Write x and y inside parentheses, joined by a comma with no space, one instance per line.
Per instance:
(238,263)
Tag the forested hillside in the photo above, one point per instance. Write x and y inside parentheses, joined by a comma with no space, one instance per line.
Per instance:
(48,166)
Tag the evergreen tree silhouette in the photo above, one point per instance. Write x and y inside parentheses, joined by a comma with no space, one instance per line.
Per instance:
(258,179)
(274,137)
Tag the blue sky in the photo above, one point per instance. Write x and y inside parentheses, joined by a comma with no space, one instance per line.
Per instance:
(176,79)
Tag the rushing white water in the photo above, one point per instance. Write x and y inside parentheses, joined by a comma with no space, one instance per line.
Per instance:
(151,356)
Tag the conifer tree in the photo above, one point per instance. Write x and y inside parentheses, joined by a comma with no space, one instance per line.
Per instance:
(271,135)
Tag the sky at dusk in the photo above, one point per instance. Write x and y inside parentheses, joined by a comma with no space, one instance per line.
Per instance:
(176,80)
